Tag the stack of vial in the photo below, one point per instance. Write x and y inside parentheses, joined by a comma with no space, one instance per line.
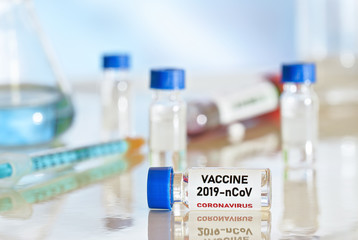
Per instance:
(227,188)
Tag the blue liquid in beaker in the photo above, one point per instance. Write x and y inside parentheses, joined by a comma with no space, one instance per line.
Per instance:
(32,114)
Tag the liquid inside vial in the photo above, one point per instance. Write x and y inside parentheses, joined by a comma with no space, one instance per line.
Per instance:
(299,127)
(116,109)
(168,135)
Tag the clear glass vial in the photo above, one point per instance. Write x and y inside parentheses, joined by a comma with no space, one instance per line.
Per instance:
(116,96)
(299,115)
(210,188)
(167,136)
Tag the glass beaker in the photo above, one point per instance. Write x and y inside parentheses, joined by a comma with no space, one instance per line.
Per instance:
(35,106)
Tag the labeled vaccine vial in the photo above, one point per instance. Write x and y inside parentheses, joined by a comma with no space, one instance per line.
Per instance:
(250,101)
(299,115)
(200,225)
(210,188)
(167,136)
(116,96)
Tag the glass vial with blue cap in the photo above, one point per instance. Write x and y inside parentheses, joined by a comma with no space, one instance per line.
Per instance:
(299,115)
(116,96)
(209,188)
(167,136)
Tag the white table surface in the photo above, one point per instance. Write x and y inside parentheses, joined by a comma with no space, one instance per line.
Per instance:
(116,207)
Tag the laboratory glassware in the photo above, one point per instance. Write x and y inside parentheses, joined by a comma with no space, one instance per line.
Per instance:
(251,101)
(210,188)
(227,148)
(116,96)
(35,103)
(167,136)
(299,115)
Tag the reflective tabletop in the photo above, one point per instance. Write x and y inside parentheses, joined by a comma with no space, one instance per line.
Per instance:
(109,201)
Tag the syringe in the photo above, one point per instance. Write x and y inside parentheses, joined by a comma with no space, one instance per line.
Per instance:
(17,203)
(13,166)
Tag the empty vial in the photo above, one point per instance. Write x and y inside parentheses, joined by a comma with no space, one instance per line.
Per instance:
(210,188)
(299,115)
(167,136)
(116,96)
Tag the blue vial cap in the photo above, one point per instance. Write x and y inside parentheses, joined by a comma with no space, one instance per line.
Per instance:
(117,61)
(159,188)
(167,79)
(299,73)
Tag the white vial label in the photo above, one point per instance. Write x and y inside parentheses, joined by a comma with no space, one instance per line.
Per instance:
(224,225)
(252,101)
(220,189)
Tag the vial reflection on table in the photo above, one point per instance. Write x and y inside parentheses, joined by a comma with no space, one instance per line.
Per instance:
(209,224)
(300,215)
(117,197)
